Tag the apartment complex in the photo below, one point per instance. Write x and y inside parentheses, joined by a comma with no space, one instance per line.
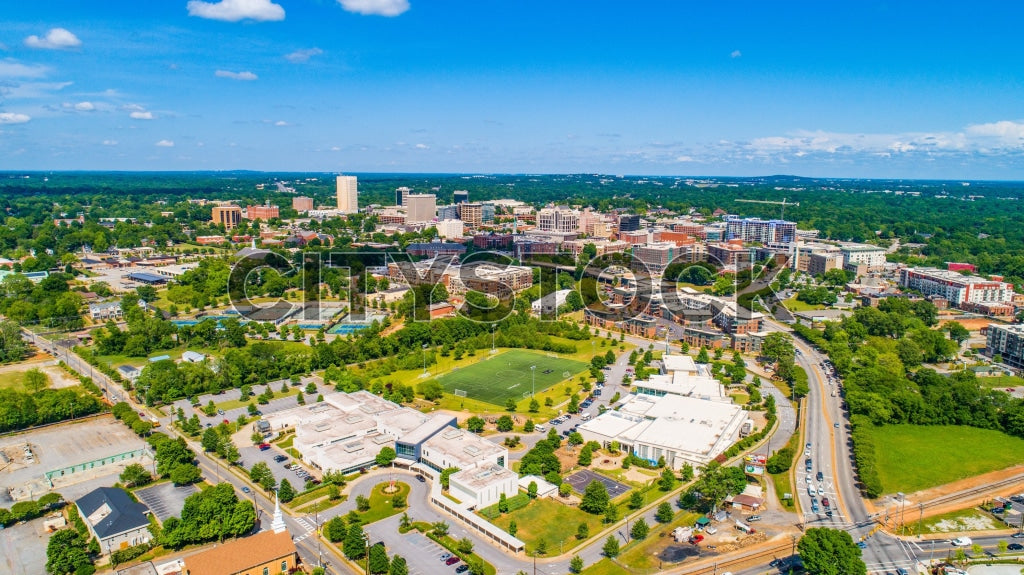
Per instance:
(450,228)
(471,214)
(229,215)
(1008,342)
(758,230)
(348,195)
(959,290)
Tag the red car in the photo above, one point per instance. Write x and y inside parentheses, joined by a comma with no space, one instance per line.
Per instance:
(696,539)
(824,501)
(264,446)
(452,560)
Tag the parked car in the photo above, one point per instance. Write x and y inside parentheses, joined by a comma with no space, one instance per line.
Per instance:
(862,544)
(420,479)
(820,476)
(754,518)
(962,542)
(445,556)
(264,446)
(1015,547)
(451,560)
(824,501)
(462,568)
(220,412)
(245,489)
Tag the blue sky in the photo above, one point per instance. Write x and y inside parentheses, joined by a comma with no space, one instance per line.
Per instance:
(849,89)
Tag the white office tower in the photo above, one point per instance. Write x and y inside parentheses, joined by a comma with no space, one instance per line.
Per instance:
(348,195)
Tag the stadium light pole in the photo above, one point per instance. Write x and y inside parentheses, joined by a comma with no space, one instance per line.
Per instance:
(492,338)
(424,359)
(533,376)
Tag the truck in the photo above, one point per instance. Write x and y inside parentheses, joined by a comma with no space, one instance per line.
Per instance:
(744,527)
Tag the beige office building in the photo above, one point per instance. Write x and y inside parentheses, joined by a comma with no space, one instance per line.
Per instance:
(471,214)
(420,208)
(228,215)
(348,195)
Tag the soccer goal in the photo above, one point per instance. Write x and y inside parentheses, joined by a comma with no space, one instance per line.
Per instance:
(459,392)
(526,394)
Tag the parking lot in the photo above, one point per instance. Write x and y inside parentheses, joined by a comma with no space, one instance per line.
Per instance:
(23,548)
(421,553)
(581,479)
(65,445)
(165,499)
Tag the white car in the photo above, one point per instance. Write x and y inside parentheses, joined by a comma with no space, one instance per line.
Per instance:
(961,542)
(821,491)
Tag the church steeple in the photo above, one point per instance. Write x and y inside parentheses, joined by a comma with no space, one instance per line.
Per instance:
(278,523)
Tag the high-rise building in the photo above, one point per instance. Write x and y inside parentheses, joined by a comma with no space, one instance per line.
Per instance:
(228,215)
(487,212)
(460,196)
(558,219)
(450,228)
(401,194)
(302,204)
(471,214)
(1008,342)
(420,208)
(450,212)
(348,195)
(629,223)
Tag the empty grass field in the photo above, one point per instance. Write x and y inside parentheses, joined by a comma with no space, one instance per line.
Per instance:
(496,378)
(915,457)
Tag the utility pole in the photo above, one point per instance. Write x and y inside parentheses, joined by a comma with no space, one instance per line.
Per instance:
(920,518)
(424,360)
(533,375)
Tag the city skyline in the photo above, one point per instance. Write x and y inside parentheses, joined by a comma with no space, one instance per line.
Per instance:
(356,86)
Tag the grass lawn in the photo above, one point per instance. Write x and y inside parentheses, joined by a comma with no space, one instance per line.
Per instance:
(915,457)
(793,304)
(551,521)
(14,380)
(1001,381)
(380,503)
(496,378)
(954,521)
(233,403)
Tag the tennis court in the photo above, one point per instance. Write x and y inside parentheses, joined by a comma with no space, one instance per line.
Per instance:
(495,378)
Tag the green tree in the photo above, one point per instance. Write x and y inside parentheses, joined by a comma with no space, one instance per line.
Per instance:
(464,545)
(355,542)
(211,439)
(510,404)
(512,528)
(667,480)
(362,503)
(502,504)
(285,492)
(386,456)
(576,564)
(66,552)
(702,356)
(595,498)
(636,500)
(336,529)
(35,380)
(665,513)
(531,490)
(439,528)
(504,424)
(475,424)
(582,531)
(185,474)
(135,475)
(398,566)
(529,426)
(379,562)
(830,552)
(534,405)
(611,514)
(611,547)
(446,476)
(640,529)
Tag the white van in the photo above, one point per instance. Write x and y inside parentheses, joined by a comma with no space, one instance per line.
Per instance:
(585,417)
(540,427)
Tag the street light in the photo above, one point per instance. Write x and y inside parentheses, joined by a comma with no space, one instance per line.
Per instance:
(492,338)
(533,376)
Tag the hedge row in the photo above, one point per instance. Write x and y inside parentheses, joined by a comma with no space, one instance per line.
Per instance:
(864,456)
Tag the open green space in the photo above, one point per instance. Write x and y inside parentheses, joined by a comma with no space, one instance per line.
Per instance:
(551,521)
(14,380)
(496,378)
(278,394)
(952,522)
(793,304)
(1001,381)
(915,457)
(380,503)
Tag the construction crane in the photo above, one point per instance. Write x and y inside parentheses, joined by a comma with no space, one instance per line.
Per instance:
(783,203)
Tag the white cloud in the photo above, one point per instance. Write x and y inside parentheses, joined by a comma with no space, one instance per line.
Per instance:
(109,142)
(281,123)
(375,7)
(85,107)
(10,68)
(735,54)
(55,39)
(248,76)
(235,10)
(686,159)
(141,115)
(29,90)
(13,118)
(1005,131)
(165,144)
(422,147)
(300,56)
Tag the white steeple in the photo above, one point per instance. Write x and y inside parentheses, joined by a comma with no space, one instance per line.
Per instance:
(278,523)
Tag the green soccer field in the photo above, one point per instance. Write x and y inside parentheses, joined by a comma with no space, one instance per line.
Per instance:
(495,378)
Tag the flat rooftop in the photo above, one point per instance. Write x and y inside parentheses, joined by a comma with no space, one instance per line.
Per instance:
(463,448)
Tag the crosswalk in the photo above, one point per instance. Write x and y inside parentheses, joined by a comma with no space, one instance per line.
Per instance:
(306,524)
